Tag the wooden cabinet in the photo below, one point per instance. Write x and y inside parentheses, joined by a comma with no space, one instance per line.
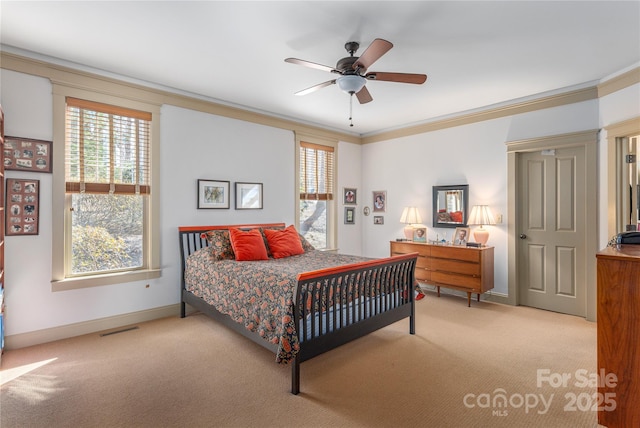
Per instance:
(467,269)
(618,307)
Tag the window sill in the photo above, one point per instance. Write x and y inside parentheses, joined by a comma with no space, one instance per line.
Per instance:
(108,279)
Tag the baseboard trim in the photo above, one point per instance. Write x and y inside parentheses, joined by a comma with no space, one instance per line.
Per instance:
(17,341)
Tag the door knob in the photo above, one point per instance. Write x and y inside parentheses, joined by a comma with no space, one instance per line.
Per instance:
(523,236)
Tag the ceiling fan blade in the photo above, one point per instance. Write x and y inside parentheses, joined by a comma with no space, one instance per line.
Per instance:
(364,96)
(316,87)
(376,49)
(310,64)
(417,79)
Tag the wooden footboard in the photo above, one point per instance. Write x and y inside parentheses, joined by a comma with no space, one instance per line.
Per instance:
(331,306)
(337,305)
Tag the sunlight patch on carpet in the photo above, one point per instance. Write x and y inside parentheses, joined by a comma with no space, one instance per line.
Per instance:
(14,373)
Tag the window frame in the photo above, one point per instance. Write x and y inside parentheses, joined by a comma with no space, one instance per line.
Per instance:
(332,206)
(61,278)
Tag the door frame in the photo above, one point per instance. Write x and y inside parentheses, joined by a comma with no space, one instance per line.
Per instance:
(588,140)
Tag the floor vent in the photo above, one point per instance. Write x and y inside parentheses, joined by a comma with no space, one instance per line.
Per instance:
(119,331)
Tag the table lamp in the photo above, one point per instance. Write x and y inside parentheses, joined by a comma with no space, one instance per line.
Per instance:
(410,217)
(481,215)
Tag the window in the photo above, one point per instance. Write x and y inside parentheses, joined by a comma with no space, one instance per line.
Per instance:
(316,178)
(107,187)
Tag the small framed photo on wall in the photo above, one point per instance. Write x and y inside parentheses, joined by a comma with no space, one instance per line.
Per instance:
(378,219)
(23,207)
(379,201)
(349,215)
(350,196)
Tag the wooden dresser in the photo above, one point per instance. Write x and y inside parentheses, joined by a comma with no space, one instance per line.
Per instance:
(467,269)
(618,309)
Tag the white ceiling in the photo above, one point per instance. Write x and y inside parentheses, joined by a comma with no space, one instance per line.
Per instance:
(476,53)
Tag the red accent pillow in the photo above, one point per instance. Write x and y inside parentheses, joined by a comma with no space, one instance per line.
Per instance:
(456,216)
(248,245)
(284,243)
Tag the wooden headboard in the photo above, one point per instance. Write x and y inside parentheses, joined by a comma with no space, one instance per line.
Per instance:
(191,239)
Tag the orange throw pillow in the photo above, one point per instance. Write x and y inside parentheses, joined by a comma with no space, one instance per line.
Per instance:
(283,243)
(248,245)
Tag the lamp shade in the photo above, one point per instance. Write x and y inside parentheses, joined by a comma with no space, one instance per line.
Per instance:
(481,214)
(351,83)
(410,215)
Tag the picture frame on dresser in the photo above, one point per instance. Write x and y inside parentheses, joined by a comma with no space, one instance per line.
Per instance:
(420,234)
(461,236)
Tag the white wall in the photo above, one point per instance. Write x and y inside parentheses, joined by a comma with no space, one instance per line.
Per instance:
(193,145)
(474,154)
(197,145)
(350,175)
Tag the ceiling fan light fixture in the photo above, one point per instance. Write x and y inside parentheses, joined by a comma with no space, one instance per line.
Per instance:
(351,83)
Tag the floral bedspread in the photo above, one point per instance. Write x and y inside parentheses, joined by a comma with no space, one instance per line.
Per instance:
(258,294)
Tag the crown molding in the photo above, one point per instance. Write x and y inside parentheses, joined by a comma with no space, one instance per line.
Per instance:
(63,75)
(570,97)
(617,83)
(69,76)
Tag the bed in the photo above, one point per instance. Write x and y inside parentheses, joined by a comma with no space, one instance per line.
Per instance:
(298,306)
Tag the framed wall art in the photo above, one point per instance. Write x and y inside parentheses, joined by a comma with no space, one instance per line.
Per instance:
(350,196)
(23,206)
(248,196)
(213,194)
(379,201)
(349,215)
(26,154)
(378,219)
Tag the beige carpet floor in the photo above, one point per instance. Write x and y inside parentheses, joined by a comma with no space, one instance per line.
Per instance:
(490,365)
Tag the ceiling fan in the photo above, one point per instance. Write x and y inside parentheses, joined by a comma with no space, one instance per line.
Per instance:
(352,71)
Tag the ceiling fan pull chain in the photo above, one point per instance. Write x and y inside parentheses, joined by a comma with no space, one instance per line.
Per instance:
(351,109)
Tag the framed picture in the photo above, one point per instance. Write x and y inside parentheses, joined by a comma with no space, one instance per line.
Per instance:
(349,215)
(379,201)
(248,196)
(420,234)
(378,219)
(350,196)
(23,207)
(461,236)
(25,154)
(213,194)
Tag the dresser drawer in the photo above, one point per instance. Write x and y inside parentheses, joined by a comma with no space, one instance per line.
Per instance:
(423,274)
(456,253)
(410,247)
(463,281)
(463,268)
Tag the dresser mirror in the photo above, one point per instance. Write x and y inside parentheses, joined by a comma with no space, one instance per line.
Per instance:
(450,206)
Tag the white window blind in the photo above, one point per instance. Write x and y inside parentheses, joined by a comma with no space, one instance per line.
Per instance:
(316,172)
(107,149)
